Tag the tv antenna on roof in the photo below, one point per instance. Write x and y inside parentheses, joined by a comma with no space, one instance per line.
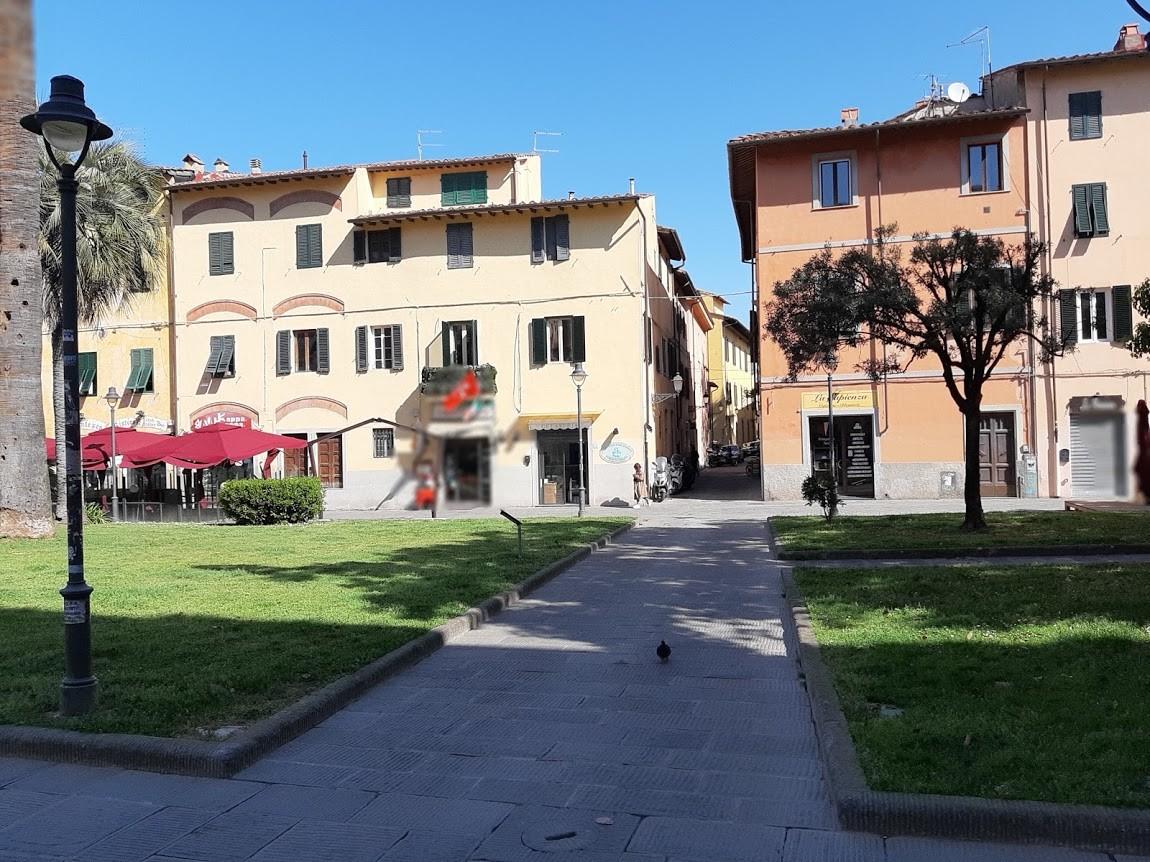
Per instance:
(420,143)
(981,36)
(535,141)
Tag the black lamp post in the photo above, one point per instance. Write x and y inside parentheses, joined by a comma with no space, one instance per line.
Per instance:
(579,377)
(69,125)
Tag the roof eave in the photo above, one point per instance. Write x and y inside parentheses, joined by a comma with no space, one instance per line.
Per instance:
(439,213)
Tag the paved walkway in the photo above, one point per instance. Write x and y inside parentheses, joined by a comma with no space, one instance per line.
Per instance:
(552,733)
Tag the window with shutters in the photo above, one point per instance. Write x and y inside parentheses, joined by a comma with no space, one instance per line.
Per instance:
(1085,115)
(221,356)
(308,246)
(460,247)
(377,246)
(387,347)
(834,180)
(140,377)
(306,349)
(463,188)
(221,256)
(982,168)
(1092,314)
(459,346)
(1091,212)
(383,442)
(399,191)
(550,238)
(1097,314)
(87,364)
(558,339)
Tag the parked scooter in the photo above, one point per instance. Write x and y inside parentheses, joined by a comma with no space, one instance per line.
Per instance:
(676,475)
(660,479)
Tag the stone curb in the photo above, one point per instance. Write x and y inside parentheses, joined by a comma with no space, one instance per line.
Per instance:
(1088,827)
(223,759)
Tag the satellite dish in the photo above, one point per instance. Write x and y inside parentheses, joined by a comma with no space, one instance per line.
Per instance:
(958,92)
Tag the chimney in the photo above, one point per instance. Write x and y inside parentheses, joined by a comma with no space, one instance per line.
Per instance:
(192,163)
(631,186)
(1130,39)
(256,166)
(570,196)
(849,117)
(220,166)
(305,160)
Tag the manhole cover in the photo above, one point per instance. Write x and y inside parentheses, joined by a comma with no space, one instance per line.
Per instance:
(560,837)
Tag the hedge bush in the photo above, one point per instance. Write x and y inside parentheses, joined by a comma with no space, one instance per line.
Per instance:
(272,501)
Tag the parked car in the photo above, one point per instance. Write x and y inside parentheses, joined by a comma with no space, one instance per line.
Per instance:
(733,454)
(751,449)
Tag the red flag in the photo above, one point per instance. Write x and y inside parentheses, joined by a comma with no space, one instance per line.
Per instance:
(466,389)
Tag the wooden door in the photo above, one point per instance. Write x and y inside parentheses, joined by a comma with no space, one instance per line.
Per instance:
(329,455)
(295,460)
(996,467)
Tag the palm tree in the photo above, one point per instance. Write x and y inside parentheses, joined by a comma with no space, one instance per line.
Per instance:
(119,249)
(25,507)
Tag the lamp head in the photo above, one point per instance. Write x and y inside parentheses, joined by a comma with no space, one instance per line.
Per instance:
(677,382)
(578,375)
(65,121)
(113,397)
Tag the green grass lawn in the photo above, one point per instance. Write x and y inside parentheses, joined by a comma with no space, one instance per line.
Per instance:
(201,626)
(1017,682)
(912,532)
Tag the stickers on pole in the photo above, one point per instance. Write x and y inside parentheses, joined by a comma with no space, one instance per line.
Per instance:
(75,612)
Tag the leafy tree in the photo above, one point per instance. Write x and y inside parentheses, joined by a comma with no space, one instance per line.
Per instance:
(119,248)
(24,502)
(1140,343)
(962,300)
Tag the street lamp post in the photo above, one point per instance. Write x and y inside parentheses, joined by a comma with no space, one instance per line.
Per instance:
(579,377)
(113,398)
(1139,8)
(67,124)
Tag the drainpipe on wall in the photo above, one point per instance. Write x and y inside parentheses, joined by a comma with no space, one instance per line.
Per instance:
(1055,410)
(645,340)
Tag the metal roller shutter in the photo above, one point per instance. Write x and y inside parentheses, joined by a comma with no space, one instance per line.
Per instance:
(1097,461)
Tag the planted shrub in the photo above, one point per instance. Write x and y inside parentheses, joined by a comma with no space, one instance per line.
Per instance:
(272,501)
(823,492)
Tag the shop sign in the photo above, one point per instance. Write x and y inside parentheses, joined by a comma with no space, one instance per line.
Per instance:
(220,417)
(844,399)
(478,410)
(1096,404)
(617,453)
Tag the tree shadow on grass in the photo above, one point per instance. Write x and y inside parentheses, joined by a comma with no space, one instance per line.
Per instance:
(441,578)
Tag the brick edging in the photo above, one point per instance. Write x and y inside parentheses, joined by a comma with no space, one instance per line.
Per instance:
(225,758)
(1089,827)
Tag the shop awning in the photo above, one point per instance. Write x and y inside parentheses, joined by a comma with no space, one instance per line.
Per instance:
(558,421)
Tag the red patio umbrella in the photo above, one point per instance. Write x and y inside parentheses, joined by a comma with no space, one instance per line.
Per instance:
(200,449)
(94,459)
(128,440)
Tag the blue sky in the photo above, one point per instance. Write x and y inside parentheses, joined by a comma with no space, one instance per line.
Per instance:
(637,87)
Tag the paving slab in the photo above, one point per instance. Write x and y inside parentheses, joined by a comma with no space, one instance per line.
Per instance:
(316,803)
(330,842)
(806,845)
(148,836)
(70,825)
(229,837)
(449,816)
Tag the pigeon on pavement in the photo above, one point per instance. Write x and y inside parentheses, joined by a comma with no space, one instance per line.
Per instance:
(663,651)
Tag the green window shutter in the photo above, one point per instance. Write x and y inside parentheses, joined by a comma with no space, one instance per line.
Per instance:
(215,350)
(962,303)
(301,246)
(1123,312)
(538,254)
(1068,315)
(467,249)
(140,378)
(399,192)
(1098,206)
(215,267)
(396,347)
(361,349)
(539,341)
(473,342)
(227,366)
(323,352)
(394,252)
(1016,315)
(562,238)
(1093,116)
(87,363)
(1077,116)
(283,352)
(479,187)
(227,253)
(315,245)
(1082,223)
(447,190)
(134,370)
(359,246)
(445,339)
(454,245)
(578,340)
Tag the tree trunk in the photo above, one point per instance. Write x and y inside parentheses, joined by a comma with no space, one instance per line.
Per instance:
(975,519)
(25,506)
(58,424)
